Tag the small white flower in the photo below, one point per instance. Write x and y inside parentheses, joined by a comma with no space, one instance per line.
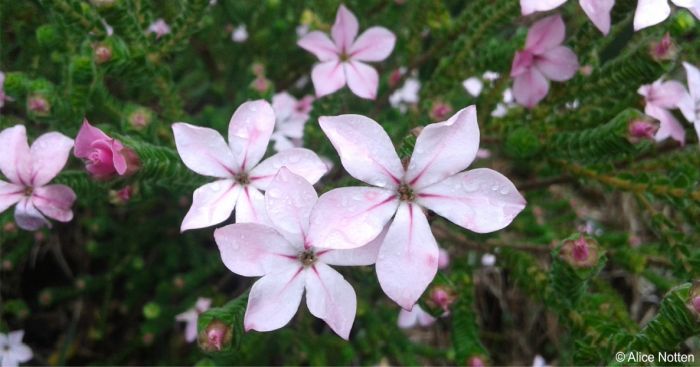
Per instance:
(12,350)
(407,94)
(473,86)
(239,34)
(490,75)
(488,260)
(539,361)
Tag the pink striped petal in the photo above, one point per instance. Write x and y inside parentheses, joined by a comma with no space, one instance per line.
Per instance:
(344,29)
(445,148)
(374,44)
(668,127)
(10,194)
(365,149)
(274,299)
(530,88)
(350,217)
(211,204)
(558,64)
(481,200)
(331,298)
(15,156)
(28,217)
(545,34)
(288,201)
(203,150)
(320,45)
(249,132)
(328,77)
(528,7)
(650,12)
(49,153)
(252,249)
(363,79)
(598,11)
(55,201)
(364,255)
(408,258)
(300,161)
(250,206)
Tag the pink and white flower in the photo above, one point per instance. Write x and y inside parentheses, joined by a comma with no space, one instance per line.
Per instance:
(598,11)
(12,350)
(415,317)
(542,60)
(691,106)
(190,317)
(159,27)
(660,97)
(653,12)
(237,165)
(292,115)
(104,156)
(29,171)
(291,260)
(481,200)
(343,59)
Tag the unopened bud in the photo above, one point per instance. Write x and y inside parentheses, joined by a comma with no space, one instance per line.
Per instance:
(215,337)
(664,49)
(121,196)
(103,53)
(140,118)
(581,252)
(440,111)
(476,362)
(38,105)
(261,84)
(639,130)
(442,297)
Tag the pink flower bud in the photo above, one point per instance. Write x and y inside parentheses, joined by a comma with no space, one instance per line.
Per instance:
(642,130)
(664,49)
(440,111)
(102,53)
(214,337)
(261,84)
(696,303)
(395,77)
(476,362)
(140,118)
(581,252)
(38,105)
(442,297)
(121,196)
(104,156)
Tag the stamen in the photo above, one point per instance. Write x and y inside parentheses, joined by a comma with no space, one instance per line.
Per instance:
(308,258)
(242,178)
(406,193)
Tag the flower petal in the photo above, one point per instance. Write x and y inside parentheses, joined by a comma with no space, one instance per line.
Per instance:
(55,201)
(252,249)
(363,80)
(86,136)
(691,105)
(10,194)
(211,204)
(408,258)
(274,299)
(249,132)
(28,217)
(558,64)
(350,217)
(481,200)
(328,77)
(445,148)
(331,298)
(417,316)
(545,34)
(650,12)
(693,6)
(50,153)
(668,127)
(528,7)
(288,202)
(364,255)
(344,29)
(374,44)
(598,11)
(320,45)
(530,88)
(203,150)
(666,94)
(250,207)
(365,149)
(300,161)
(15,156)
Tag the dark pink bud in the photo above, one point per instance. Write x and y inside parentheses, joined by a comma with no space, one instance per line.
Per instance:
(476,362)
(121,196)
(581,252)
(696,303)
(395,77)
(664,49)
(440,111)
(104,156)
(103,53)
(442,297)
(261,84)
(215,337)
(642,130)
(38,105)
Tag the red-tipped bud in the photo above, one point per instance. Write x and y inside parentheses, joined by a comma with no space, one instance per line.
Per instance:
(215,337)
(581,252)
(38,105)
(641,130)
(663,49)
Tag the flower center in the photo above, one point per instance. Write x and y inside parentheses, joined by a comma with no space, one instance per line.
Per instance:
(308,257)
(344,56)
(242,178)
(28,191)
(406,193)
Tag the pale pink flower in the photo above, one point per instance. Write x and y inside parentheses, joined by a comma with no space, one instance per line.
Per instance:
(104,156)
(542,60)
(190,317)
(660,97)
(288,257)
(237,165)
(476,362)
(159,27)
(292,115)
(29,170)
(415,317)
(598,11)
(239,34)
(342,60)
(481,200)
(473,86)
(12,350)
(690,107)
(652,12)
(406,95)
